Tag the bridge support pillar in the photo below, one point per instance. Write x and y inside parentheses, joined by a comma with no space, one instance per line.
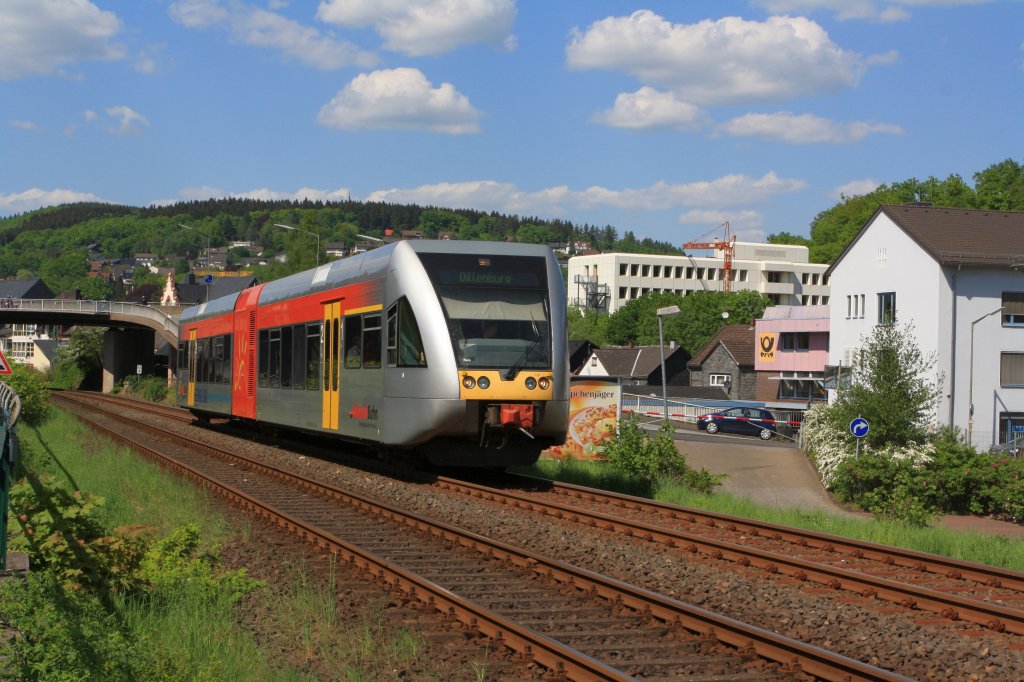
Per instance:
(123,352)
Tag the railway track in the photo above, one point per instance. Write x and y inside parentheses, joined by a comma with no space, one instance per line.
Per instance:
(575,622)
(988,596)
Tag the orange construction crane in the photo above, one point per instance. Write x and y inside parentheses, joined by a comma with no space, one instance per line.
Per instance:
(727,246)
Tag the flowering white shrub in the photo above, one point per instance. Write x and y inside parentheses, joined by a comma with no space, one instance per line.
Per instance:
(831,445)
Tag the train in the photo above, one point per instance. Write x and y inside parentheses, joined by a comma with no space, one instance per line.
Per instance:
(444,351)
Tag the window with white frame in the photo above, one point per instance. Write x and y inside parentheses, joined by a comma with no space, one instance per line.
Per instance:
(717,379)
(887,307)
(1013,308)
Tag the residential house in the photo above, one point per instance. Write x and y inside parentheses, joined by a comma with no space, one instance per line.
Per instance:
(638,365)
(727,361)
(27,344)
(956,277)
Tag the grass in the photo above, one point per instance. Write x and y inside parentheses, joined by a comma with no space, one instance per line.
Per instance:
(188,636)
(995,550)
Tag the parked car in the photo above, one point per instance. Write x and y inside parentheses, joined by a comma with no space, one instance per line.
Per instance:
(753,421)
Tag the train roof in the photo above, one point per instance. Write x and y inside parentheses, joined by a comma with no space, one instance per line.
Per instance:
(359,268)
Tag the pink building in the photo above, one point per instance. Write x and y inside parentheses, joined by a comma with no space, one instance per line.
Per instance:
(790,355)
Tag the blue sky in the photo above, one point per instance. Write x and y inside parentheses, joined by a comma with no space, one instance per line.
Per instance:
(663,118)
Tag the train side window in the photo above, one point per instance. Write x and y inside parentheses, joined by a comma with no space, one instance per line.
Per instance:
(405,346)
(299,356)
(274,359)
(218,357)
(371,340)
(227,359)
(182,356)
(204,360)
(286,357)
(313,355)
(264,361)
(353,342)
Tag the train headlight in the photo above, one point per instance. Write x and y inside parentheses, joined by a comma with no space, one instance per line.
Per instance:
(484,383)
(544,383)
(531,383)
(468,382)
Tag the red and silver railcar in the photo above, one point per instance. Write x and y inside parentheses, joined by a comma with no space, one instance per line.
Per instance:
(453,350)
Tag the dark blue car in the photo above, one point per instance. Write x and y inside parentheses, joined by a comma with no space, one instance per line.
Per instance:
(752,421)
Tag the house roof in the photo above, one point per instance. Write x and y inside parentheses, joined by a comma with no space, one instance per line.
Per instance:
(957,236)
(638,361)
(221,286)
(24,288)
(738,340)
(796,312)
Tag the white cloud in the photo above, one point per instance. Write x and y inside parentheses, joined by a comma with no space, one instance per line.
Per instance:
(650,109)
(747,219)
(855,188)
(251,25)
(883,11)
(803,129)
(127,121)
(399,99)
(427,27)
(726,191)
(24,125)
(34,198)
(729,60)
(204,192)
(38,37)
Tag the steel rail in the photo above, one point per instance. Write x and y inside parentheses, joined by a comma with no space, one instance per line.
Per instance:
(547,652)
(811,659)
(992,576)
(989,615)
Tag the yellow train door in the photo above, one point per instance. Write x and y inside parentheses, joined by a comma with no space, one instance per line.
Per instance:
(192,368)
(331,364)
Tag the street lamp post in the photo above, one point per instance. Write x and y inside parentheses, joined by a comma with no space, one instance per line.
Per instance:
(668,311)
(299,229)
(970,380)
(207,235)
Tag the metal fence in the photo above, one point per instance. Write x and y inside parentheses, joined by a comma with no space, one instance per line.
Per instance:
(10,410)
(653,407)
(60,305)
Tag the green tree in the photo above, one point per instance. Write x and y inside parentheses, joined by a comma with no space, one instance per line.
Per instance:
(60,272)
(893,386)
(587,326)
(1001,186)
(787,238)
(93,288)
(700,317)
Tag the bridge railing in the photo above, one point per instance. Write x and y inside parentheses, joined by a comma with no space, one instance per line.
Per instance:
(59,305)
(10,410)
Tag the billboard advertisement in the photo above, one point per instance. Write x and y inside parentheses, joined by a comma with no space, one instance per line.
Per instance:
(594,404)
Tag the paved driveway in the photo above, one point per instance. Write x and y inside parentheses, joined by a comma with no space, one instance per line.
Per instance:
(774,473)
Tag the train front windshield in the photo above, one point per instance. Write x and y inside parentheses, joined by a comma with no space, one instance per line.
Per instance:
(496,308)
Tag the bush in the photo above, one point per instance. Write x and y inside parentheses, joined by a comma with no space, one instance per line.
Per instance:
(31,387)
(631,452)
(153,389)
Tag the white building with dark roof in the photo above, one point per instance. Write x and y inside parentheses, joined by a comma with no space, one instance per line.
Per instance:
(957,276)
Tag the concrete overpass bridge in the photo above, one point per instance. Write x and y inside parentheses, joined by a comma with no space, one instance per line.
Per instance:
(132,329)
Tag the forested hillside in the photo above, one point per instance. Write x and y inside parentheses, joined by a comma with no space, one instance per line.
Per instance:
(1000,187)
(55,243)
